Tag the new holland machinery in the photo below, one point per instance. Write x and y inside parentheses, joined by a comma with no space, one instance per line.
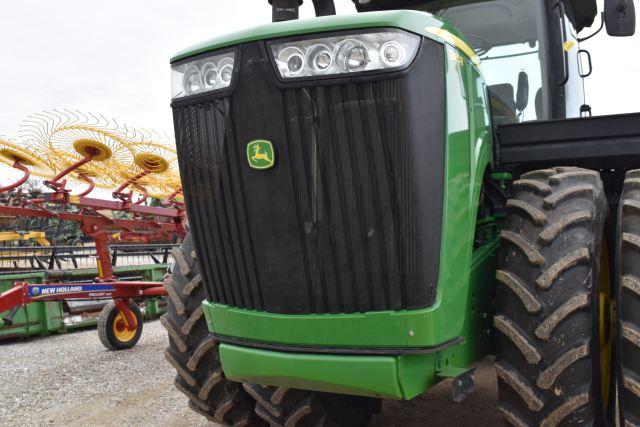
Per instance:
(379,200)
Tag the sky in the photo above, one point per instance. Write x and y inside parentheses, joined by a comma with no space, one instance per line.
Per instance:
(111,57)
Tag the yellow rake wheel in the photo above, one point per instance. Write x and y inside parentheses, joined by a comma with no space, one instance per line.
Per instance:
(113,327)
(11,153)
(160,162)
(151,162)
(90,147)
(119,154)
(120,329)
(66,138)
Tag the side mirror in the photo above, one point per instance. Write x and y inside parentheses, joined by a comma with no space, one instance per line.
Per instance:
(620,17)
(522,95)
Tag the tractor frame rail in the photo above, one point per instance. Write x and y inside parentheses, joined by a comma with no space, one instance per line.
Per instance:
(599,142)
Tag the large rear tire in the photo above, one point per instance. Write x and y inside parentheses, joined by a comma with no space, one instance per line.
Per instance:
(194,353)
(548,322)
(628,301)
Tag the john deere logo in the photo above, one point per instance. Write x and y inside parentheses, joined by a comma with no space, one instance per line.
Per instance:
(260,154)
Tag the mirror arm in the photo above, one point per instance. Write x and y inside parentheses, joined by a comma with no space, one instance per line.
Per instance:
(580,40)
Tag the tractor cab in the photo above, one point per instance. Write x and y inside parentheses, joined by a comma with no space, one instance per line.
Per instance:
(529,49)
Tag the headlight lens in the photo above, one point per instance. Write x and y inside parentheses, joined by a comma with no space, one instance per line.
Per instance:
(319,58)
(293,60)
(390,49)
(202,75)
(209,74)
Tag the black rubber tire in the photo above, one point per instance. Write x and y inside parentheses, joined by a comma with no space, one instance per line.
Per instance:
(194,353)
(547,304)
(628,301)
(76,243)
(105,327)
(284,407)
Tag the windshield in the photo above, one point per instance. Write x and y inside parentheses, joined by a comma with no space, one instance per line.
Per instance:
(508,36)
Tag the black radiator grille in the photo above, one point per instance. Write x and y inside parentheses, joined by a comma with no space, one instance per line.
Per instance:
(210,168)
(347,221)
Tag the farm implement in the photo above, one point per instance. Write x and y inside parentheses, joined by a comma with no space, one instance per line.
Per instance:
(90,151)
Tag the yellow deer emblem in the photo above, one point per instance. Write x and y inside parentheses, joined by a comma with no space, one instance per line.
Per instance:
(258,154)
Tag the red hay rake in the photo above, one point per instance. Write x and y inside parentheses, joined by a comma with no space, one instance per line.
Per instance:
(69,148)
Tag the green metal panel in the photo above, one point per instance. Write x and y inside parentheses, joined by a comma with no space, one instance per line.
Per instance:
(155,273)
(410,20)
(152,308)
(357,375)
(39,318)
(373,329)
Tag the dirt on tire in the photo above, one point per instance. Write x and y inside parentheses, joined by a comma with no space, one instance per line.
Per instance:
(628,301)
(548,363)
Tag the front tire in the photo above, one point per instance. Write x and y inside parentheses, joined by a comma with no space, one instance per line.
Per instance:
(547,315)
(628,301)
(194,353)
(285,407)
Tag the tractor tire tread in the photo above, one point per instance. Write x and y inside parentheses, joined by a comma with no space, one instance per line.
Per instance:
(628,300)
(544,363)
(534,213)
(193,352)
(102,328)
(284,407)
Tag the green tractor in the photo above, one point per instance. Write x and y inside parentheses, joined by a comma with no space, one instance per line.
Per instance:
(379,200)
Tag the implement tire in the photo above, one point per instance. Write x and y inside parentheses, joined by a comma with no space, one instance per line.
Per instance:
(111,327)
(628,301)
(547,317)
(284,407)
(194,353)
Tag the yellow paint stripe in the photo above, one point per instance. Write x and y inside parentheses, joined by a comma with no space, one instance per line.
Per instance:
(455,41)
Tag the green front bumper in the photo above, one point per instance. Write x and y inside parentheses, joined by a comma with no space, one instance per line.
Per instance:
(389,377)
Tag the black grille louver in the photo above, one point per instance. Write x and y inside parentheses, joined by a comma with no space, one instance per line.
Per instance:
(217,213)
(347,221)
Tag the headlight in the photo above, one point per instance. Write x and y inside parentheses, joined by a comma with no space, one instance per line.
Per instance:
(202,75)
(388,49)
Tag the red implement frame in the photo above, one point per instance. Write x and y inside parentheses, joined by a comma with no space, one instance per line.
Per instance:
(147,223)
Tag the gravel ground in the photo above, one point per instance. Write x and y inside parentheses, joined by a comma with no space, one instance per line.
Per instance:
(72,380)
